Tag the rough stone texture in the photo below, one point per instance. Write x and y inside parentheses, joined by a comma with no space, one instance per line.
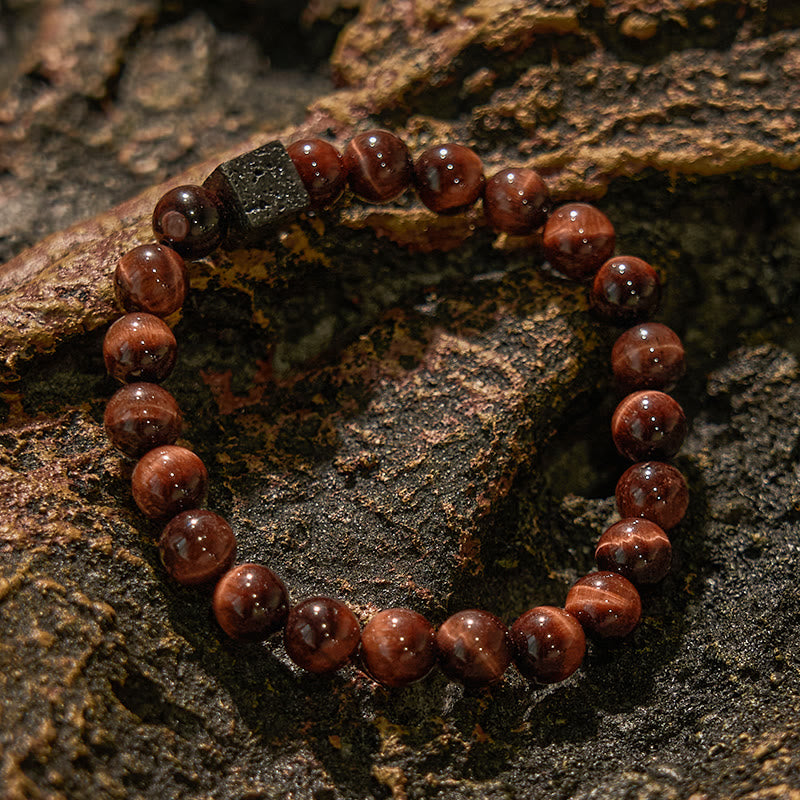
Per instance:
(376,394)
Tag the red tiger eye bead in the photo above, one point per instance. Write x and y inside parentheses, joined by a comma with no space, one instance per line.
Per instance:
(151,278)
(167,480)
(197,547)
(250,602)
(648,424)
(655,491)
(139,347)
(605,603)
(474,647)
(378,166)
(141,416)
(625,289)
(321,634)
(548,644)
(635,548)
(189,220)
(321,169)
(577,239)
(398,647)
(516,201)
(449,178)
(648,356)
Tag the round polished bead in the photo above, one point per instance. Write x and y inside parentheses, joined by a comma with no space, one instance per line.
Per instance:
(648,424)
(474,647)
(548,644)
(625,289)
(321,169)
(378,166)
(139,347)
(197,547)
(516,201)
(635,548)
(151,278)
(655,491)
(321,634)
(250,602)
(648,356)
(398,647)
(577,239)
(449,178)
(167,480)
(189,220)
(141,416)
(605,604)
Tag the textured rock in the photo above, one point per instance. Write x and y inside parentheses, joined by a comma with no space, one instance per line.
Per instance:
(375,394)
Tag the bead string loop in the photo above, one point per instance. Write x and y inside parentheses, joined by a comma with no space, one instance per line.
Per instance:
(242,200)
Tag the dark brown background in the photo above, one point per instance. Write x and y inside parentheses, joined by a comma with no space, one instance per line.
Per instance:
(399,409)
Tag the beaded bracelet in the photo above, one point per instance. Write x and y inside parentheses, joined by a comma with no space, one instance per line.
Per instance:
(239,203)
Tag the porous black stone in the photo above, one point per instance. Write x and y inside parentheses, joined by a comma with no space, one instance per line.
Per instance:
(258,191)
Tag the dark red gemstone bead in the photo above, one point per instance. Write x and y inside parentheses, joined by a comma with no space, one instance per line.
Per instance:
(648,356)
(648,424)
(151,278)
(321,634)
(605,603)
(189,220)
(321,169)
(577,239)
(474,647)
(139,347)
(197,547)
(635,548)
(167,480)
(378,166)
(250,602)
(398,647)
(655,491)
(625,289)
(141,416)
(548,644)
(449,178)
(516,201)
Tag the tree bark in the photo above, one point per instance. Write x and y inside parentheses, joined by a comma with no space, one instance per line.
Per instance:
(399,409)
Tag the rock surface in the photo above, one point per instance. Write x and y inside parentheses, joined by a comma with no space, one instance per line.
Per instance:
(398,409)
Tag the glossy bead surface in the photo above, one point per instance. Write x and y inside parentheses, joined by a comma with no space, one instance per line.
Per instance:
(449,178)
(474,647)
(378,166)
(648,424)
(548,644)
(516,201)
(635,548)
(139,347)
(189,220)
(398,647)
(197,547)
(167,480)
(321,169)
(605,604)
(250,602)
(321,634)
(577,239)
(151,278)
(648,356)
(655,491)
(625,289)
(141,416)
